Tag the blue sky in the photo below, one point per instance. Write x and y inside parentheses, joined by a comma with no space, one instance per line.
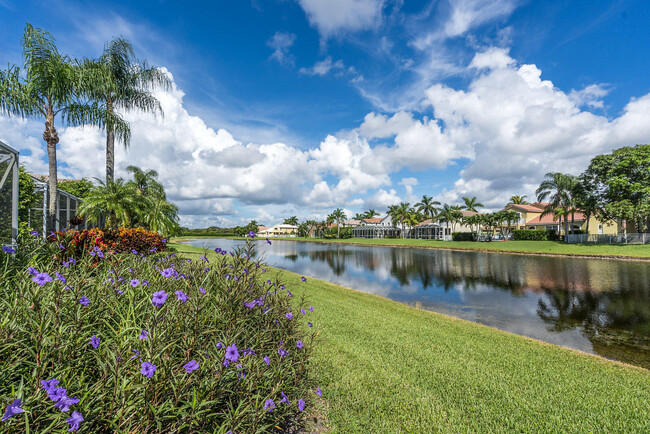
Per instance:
(297,107)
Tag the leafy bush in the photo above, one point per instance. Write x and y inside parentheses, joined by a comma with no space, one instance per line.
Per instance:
(463,236)
(75,243)
(152,344)
(534,235)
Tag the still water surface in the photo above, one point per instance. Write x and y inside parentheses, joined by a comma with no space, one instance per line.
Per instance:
(594,305)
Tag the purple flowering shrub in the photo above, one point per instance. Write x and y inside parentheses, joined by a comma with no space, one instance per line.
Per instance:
(160,343)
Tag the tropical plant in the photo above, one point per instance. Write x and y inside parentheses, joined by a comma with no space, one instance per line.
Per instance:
(371,213)
(47,88)
(117,201)
(338,215)
(518,200)
(359,216)
(76,187)
(293,221)
(146,182)
(556,188)
(427,206)
(117,82)
(471,204)
(162,217)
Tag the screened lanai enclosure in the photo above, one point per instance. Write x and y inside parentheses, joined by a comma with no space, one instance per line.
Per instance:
(371,231)
(66,209)
(8,194)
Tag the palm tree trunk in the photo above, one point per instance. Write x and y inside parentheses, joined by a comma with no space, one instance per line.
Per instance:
(51,137)
(338,229)
(572,220)
(110,145)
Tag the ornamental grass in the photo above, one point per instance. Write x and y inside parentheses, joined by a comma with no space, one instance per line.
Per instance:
(135,342)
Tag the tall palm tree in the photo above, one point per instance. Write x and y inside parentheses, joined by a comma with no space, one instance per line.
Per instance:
(555,188)
(161,216)
(401,214)
(118,83)
(518,200)
(338,215)
(427,206)
(47,87)
(370,214)
(116,200)
(471,204)
(450,214)
(359,216)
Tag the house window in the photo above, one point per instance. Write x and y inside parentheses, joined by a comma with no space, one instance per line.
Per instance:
(532,228)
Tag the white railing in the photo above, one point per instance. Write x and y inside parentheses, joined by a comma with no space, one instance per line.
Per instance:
(608,239)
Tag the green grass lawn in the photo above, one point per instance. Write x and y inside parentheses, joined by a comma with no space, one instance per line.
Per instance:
(537,247)
(386,367)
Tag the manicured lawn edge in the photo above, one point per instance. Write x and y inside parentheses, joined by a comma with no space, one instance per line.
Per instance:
(387,367)
(534,248)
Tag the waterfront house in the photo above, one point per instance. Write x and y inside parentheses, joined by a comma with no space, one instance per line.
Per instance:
(280,231)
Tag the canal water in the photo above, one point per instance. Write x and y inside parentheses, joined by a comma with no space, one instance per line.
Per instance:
(594,305)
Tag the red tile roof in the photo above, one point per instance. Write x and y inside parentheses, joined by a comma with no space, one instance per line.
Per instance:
(373,220)
(548,219)
(529,208)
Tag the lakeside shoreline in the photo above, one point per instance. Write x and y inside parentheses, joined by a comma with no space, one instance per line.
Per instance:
(403,244)
(454,373)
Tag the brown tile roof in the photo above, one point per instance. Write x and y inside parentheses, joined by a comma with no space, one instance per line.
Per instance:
(528,208)
(373,220)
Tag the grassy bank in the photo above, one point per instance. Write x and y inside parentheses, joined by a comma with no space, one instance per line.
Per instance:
(386,367)
(630,251)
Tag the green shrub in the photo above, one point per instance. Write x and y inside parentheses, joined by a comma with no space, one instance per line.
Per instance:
(463,236)
(50,329)
(534,235)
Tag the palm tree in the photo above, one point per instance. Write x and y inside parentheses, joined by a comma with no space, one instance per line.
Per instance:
(359,216)
(46,88)
(338,215)
(471,204)
(293,221)
(450,214)
(117,200)
(117,82)
(146,183)
(370,214)
(586,200)
(556,189)
(161,216)
(427,206)
(518,200)
(400,213)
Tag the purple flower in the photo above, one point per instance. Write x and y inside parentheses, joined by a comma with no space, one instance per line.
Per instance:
(34,233)
(267,360)
(49,385)
(219,345)
(143,335)
(84,300)
(148,369)
(100,254)
(159,298)
(289,294)
(231,353)
(268,241)
(310,325)
(61,278)
(202,290)
(135,283)
(135,252)
(94,341)
(301,405)
(282,287)
(6,249)
(284,398)
(303,279)
(289,315)
(32,271)
(74,421)
(282,352)
(145,283)
(318,392)
(251,234)
(12,410)
(251,304)
(167,273)
(299,344)
(56,393)
(181,296)
(191,366)
(269,405)
(204,258)
(311,308)
(92,253)
(303,311)
(42,278)
(65,402)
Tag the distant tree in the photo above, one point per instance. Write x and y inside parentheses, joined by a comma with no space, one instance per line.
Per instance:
(338,215)
(371,213)
(621,183)
(77,187)
(427,206)
(556,188)
(359,216)
(146,182)
(518,200)
(471,204)
(293,221)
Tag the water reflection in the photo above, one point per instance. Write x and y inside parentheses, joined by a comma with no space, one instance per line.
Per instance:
(593,305)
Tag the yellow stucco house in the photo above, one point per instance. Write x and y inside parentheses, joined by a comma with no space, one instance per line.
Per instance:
(279,231)
(530,217)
